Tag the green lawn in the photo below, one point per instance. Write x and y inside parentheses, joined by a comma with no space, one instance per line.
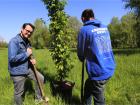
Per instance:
(122,89)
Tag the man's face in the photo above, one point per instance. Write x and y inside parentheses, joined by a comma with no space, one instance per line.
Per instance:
(27,32)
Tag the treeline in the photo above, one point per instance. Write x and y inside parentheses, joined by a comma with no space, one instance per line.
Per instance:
(122,31)
(125,33)
(3,44)
(42,38)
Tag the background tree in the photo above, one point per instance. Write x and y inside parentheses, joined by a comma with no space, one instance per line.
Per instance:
(127,24)
(3,43)
(122,31)
(74,25)
(61,36)
(115,31)
(134,5)
(40,38)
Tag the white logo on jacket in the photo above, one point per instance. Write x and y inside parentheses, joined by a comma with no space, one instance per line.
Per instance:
(99,30)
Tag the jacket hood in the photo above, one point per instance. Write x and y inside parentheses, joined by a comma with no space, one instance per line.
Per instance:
(93,22)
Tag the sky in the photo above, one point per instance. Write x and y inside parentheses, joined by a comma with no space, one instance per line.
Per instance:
(13,13)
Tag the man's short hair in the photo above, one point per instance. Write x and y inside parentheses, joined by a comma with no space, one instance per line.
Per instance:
(25,24)
(87,14)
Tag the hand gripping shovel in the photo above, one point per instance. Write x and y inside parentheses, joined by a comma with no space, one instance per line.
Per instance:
(82,83)
(46,99)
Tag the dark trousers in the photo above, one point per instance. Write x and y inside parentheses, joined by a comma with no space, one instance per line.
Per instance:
(19,82)
(95,89)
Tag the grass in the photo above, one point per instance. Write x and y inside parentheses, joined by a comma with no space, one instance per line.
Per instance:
(125,84)
(122,89)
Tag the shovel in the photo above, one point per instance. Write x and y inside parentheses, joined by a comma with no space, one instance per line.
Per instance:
(46,99)
(82,84)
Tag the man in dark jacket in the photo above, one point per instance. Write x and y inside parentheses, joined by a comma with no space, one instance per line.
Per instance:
(94,46)
(19,63)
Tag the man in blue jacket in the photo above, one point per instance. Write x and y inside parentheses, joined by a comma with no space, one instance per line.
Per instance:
(19,63)
(94,46)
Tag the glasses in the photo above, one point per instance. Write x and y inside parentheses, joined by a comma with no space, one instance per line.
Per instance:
(29,31)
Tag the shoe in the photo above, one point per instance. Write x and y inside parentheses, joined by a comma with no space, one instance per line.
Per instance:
(47,99)
(38,101)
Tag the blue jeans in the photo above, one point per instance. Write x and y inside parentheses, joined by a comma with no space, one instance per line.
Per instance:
(19,82)
(96,89)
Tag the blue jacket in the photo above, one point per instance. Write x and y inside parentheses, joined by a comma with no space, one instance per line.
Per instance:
(18,61)
(94,45)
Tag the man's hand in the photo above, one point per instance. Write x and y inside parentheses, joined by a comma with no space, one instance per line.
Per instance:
(33,61)
(29,51)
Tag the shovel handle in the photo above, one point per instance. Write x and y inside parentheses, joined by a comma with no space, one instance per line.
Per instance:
(37,78)
(82,83)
